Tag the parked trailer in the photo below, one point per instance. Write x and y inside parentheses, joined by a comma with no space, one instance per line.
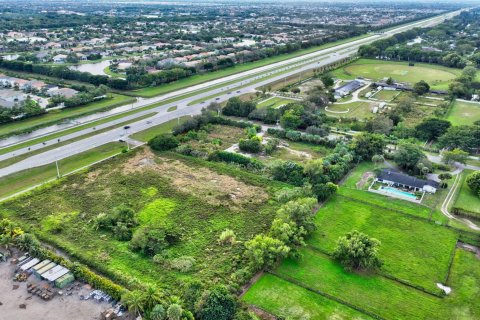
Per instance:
(40,265)
(55,273)
(29,264)
(38,273)
(64,280)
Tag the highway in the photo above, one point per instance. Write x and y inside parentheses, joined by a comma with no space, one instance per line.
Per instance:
(216,90)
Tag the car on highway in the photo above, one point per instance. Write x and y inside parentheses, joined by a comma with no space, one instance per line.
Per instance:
(126,127)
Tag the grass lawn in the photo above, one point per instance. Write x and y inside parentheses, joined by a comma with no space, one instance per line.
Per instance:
(57,116)
(290,301)
(464,113)
(357,109)
(467,203)
(413,250)
(165,127)
(191,195)
(385,95)
(438,77)
(19,181)
(274,103)
(300,152)
(354,178)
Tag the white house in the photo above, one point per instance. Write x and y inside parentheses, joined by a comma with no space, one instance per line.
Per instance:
(398,179)
(60,58)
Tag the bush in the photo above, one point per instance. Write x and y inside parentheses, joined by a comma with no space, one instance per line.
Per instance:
(227,236)
(236,107)
(231,157)
(151,241)
(217,304)
(356,251)
(252,145)
(473,182)
(287,171)
(163,142)
(183,263)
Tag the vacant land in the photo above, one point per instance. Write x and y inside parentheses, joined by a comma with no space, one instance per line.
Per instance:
(69,113)
(467,203)
(197,199)
(437,76)
(464,113)
(385,95)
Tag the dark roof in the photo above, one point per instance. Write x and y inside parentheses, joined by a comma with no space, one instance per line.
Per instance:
(351,86)
(405,179)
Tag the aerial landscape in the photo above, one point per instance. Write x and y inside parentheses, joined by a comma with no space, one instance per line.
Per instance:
(239,160)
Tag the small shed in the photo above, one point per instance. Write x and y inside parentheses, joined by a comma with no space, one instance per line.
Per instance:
(375,110)
(55,273)
(64,280)
(382,105)
(40,265)
(26,266)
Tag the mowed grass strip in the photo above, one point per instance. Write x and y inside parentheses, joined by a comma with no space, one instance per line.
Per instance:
(383,297)
(274,102)
(464,113)
(22,180)
(357,109)
(288,300)
(413,251)
(165,127)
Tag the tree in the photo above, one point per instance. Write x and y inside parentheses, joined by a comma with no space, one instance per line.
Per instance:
(323,191)
(473,182)
(462,137)
(252,145)
(299,211)
(158,312)
(421,88)
(356,251)
(380,124)
(443,177)
(409,155)
(366,145)
(378,159)
(264,251)
(163,142)
(456,155)
(287,171)
(291,119)
(327,80)
(236,107)
(174,312)
(431,129)
(152,297)
(406,103)
(134,301)
(217,304)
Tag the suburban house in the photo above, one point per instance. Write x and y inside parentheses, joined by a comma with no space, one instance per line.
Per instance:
(398,179)
(9,98)
(64,92)
(60,58)
(348,88)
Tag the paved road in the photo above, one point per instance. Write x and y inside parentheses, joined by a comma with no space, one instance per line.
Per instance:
(246,82)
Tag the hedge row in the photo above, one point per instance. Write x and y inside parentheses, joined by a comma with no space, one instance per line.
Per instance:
(293,135)
(230,157)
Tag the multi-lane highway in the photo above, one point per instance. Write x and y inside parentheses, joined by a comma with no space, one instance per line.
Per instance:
(217,90)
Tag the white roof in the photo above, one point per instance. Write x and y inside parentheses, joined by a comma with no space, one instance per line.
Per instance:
(29,264)
(55,273)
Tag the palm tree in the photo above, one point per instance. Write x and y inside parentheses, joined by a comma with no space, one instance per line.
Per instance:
(6,241)
(152,296)
(134,301)
(174,312)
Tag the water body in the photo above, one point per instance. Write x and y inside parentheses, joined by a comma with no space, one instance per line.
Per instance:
(63,125)
(95,68)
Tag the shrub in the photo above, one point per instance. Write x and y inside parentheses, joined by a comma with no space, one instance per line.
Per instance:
(227,236)
(183,263)
(231,157)
(287,171)
(473,182)
(356,251)
(252,145)
(163,142)
(217,304)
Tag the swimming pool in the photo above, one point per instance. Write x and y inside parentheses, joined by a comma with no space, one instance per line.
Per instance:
(399,192)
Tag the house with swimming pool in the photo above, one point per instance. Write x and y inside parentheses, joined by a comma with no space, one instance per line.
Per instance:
(401,185)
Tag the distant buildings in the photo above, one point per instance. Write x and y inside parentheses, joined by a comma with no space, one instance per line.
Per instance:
(348,88)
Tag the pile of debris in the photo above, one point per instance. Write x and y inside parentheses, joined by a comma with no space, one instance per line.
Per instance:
(45,292)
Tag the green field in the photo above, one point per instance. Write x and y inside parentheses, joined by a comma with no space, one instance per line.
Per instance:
(274,103)
(290,301)
(437,76)
(19,181)
(187,194)
(385,95)
(422,262)
(356,109)
(467,203)
(464,113)
(58,116)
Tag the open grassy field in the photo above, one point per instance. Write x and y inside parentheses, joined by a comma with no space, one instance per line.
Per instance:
(274,102)
(290,301)
(58,116)
(299,152)
(19,181)
(198,199)
(375,294)
(467,203)
(357,109)
(415,251)
(385,95)
(438,77)
(464,113)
